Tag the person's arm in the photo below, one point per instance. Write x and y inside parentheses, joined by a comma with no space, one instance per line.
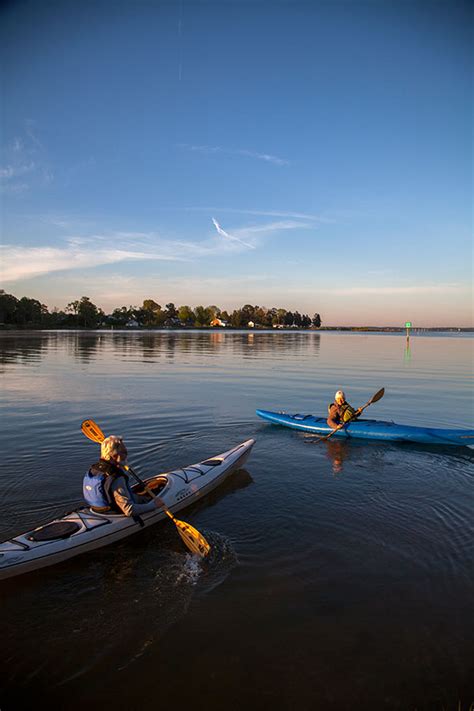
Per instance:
(333,417)
(127,503)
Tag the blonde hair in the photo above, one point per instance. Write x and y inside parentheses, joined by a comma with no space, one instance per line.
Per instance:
(111,446)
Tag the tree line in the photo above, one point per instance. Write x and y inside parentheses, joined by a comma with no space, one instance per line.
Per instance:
(83,313)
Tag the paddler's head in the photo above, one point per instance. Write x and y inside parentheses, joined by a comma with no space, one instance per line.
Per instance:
(340,397)
(113,449)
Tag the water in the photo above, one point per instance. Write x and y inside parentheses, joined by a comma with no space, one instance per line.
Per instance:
(342,574)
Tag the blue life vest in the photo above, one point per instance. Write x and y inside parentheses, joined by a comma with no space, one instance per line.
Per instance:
(97,484)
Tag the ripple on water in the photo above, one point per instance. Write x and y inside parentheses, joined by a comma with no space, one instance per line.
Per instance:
(140,589)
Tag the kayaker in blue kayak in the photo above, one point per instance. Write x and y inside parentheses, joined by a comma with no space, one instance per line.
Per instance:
(106,485)
(340,411)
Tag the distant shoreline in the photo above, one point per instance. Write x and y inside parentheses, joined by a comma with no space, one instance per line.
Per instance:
(289,329)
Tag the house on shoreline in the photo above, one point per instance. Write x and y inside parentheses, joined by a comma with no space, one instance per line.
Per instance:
(217,322)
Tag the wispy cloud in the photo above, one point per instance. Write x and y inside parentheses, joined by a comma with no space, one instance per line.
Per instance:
(93,250)
(25,163)
(268,158)
(262,213)
(10,174)
(20,263)
(273,227)
(225,234)
(14,171)
(86,250)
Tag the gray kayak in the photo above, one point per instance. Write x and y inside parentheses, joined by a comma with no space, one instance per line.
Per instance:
(84,530)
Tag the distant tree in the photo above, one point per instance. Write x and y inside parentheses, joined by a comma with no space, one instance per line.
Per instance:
(260,314)
(151,305)
(171,311)
(269,317)
(73,307)
(152,313)
(29,311)
(186,315)
(237,319)
(213,311)
(56,319)
(86,313)
(279,317)
(8,307)
(203,316)
(121,316)
(248,313)
(139,315)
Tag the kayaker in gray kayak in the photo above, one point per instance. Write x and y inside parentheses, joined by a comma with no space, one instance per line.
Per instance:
(106,485)
(340,411)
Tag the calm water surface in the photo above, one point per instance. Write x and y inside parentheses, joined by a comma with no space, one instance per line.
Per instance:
(342,574)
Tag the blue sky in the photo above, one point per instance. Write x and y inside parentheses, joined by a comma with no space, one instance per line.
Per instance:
(309,155)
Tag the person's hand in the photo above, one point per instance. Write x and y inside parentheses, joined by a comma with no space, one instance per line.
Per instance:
(159,503)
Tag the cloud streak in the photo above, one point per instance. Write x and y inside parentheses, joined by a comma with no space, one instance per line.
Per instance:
(225,234)
(262,213)
(266,157)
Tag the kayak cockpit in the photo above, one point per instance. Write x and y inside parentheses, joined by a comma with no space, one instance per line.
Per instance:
(157,485)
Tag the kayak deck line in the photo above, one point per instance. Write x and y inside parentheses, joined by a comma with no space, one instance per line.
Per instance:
(22,554)
(371,429)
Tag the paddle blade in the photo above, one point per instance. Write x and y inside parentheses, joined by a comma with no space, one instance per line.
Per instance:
(92,430)
(194,540)
(378,396)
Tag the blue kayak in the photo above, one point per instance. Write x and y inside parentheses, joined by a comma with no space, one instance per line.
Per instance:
(371,429)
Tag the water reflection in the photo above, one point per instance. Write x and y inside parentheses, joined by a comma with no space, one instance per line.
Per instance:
(85,347)
(407,353)
(27,351)
(337,451)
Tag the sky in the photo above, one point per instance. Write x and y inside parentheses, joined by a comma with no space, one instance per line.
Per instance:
(313,156)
